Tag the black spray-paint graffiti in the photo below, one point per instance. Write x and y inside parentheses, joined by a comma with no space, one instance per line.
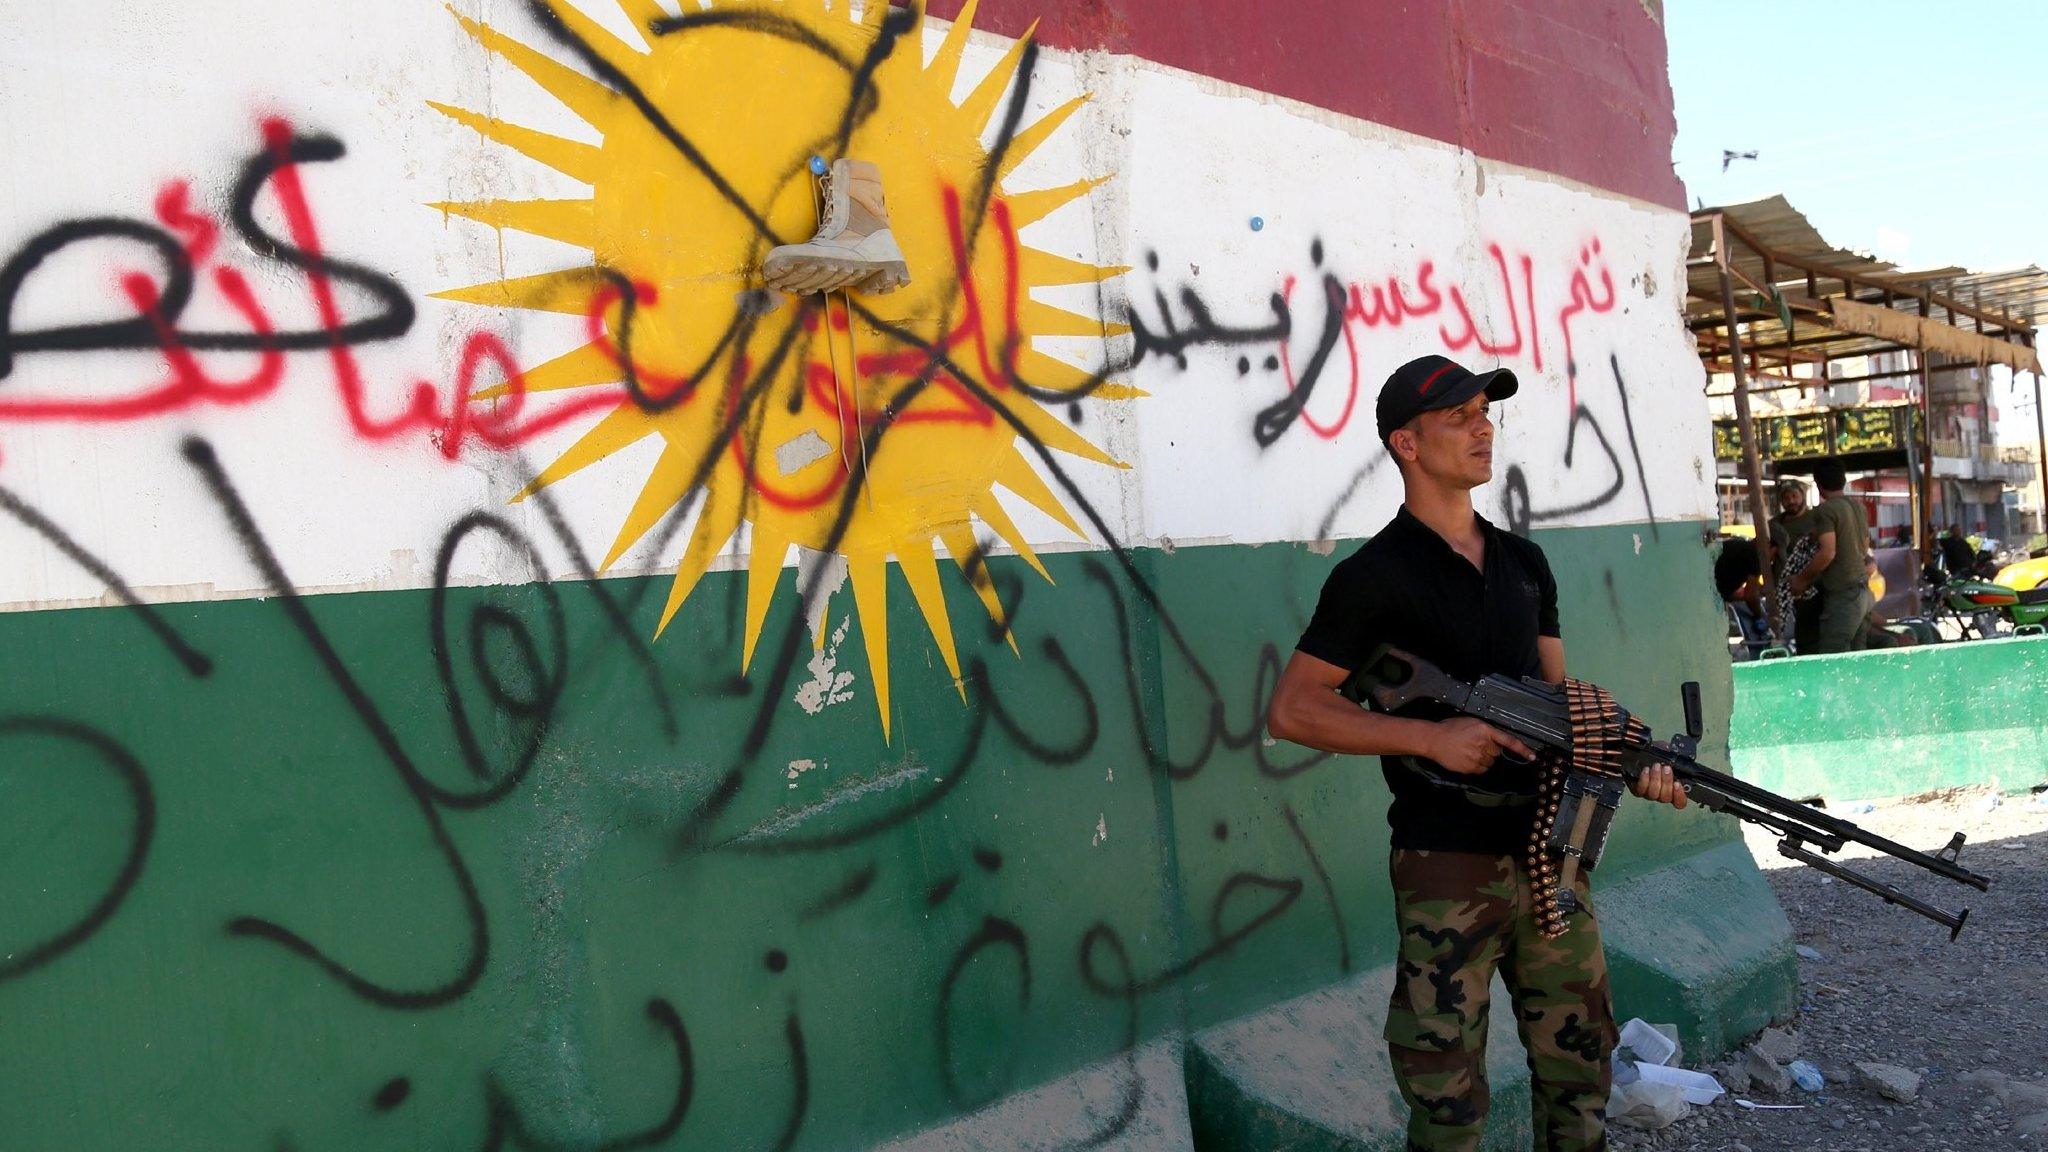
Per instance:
(526,692)
(523,693)
(1347,310)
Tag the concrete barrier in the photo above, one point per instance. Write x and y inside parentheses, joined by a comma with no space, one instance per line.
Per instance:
(1897,722)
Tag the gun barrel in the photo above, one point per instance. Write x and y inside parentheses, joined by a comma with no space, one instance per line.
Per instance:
(1714,800)
(1828,830)
(1538,713)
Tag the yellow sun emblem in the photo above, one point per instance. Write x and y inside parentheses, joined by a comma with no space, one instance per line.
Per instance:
(871,431)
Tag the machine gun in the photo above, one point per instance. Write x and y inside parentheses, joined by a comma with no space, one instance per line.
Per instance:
(1590,748)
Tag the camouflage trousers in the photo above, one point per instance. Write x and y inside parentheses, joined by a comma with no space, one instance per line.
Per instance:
(1461,917)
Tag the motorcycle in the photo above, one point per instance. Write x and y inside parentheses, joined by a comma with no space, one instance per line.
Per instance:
(1981,609)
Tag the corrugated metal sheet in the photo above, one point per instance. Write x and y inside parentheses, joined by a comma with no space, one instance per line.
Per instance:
(1799,311)
(2022,292)
(1779,226)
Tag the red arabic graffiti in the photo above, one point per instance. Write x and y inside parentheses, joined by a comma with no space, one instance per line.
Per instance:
(1387,304)
(447,422)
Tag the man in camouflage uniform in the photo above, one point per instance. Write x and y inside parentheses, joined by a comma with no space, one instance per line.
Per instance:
(1462,915)
(1447,586)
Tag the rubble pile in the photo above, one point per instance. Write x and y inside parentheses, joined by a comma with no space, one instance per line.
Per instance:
(1902,1041)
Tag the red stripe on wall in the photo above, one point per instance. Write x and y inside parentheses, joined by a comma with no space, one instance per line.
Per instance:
(1574,87)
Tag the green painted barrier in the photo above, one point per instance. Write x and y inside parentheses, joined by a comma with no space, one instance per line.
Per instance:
(1896,722)
(489,866)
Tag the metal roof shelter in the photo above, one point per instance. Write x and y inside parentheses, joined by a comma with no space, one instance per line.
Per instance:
(1766,295)
(1802,300)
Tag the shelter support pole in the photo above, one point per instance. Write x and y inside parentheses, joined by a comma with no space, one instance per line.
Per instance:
(1752,467)
(1925,527)
(2041,456)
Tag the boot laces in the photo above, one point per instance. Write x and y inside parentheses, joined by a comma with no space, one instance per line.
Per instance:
(828,222)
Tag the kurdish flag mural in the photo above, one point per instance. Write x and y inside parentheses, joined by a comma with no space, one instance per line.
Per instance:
(481,668)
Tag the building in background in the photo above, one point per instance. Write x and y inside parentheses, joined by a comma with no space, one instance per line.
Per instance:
(1987,487)
(1891,372)
(2016,422)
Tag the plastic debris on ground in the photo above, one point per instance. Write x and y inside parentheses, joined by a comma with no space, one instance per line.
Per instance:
(1698,1087)
(1645,1104)
(1647,1043)
(1650,1091)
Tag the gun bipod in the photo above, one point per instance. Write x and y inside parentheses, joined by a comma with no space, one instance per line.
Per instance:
(1792,849)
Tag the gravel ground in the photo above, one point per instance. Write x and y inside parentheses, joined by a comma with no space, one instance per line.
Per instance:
(1970,1018)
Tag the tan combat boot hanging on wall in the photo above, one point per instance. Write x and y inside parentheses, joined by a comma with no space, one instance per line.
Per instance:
(853,250)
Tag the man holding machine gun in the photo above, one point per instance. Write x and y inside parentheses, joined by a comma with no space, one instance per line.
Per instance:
(1442,583)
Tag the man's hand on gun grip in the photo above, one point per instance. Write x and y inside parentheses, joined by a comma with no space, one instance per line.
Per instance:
(1468,746)
(1657,783)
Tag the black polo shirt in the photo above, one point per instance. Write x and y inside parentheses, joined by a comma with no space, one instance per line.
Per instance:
(1408,587)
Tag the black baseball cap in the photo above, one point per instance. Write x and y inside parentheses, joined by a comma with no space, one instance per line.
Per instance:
(1428,383)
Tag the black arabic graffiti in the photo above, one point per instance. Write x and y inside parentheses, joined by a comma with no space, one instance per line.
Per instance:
(523,687)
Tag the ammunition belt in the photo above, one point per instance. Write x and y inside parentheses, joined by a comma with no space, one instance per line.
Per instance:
(1603,736)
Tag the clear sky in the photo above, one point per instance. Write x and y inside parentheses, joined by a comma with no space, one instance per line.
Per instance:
(1914,130)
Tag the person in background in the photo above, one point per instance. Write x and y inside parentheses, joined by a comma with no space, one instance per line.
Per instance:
(1738,577)
(1789,525)
(1841,565)
(1956,553)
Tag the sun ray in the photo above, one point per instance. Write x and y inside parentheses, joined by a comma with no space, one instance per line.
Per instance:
(980,104)
(622,427)
(578,368)
(721,517)
(642,14)
(921,569)
(767,550)
(576,160)
(588,99)
(1042,269)
(1042,319)
(1117,391)
(665,488)
(1028,208)
(597,37)
(1054,433)
(1029,140)
(569,221)
(1014,472)
(873,11)
(946,61)
(1041,371)
(991,512)
(958,537)
(567,291)
(870,575)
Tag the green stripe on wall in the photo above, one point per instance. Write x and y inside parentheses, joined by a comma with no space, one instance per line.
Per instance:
(936,922)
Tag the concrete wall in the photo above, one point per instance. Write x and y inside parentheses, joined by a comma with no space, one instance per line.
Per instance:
(1895,723)
(479,671)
